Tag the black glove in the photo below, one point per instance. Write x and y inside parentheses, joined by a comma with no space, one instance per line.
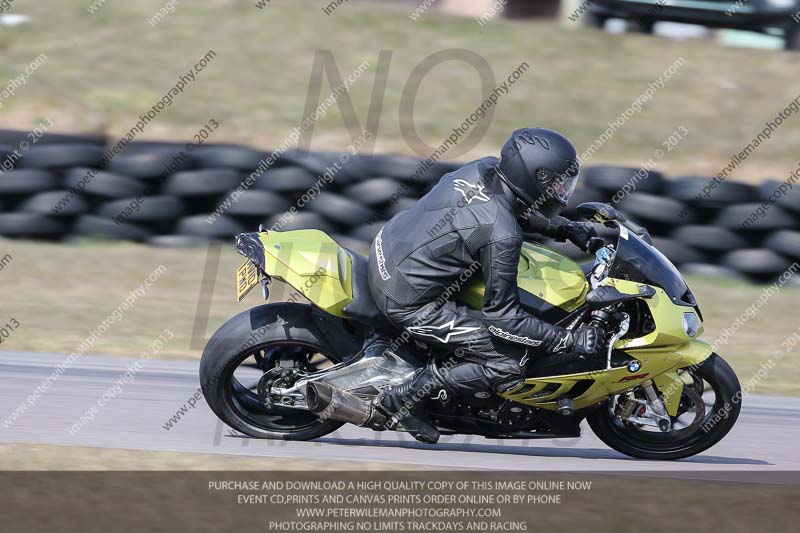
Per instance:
(586,340)
(579,233)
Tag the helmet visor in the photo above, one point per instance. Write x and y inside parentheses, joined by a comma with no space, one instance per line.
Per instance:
(559,186)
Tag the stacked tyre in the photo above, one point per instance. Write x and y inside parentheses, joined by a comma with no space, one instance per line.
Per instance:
(34,201)
(168,194)
(706,226)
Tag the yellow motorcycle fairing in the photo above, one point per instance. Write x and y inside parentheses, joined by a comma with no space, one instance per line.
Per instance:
(659,364)
(545,274)
(660,354)
(311,262)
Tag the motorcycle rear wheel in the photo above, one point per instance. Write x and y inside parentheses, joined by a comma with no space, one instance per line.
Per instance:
(234,399)
(715,422)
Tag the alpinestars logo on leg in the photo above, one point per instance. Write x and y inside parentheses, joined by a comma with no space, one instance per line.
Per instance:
(444,332)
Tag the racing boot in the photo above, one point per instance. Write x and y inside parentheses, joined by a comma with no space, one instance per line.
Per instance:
(404,405)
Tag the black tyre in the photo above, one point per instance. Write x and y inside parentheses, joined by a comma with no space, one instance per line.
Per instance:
(699,190)
(207,182)
(756,262)
(219,227)
(103,184)
(374,192)
(755,217)
(714,390)
(26,182)
(582,195)
(351,243)
(246,346)
(399,206)
(287,179)
(354,168)
(317,163)
(434,173)
(767,187)
(401,167)
(367,232)
(6,157)
(94,226)
(340,209)
(258,203)
(239,158)
(614,178)
(786,243)
(54,203)
(151,163)
(300,220)
(678,252)
(30,225)
(780,193)
(709,238)
(709,270)
(144,209)
(658,209)
(62,155)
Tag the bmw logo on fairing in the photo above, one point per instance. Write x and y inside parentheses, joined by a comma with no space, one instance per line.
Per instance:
(634,366)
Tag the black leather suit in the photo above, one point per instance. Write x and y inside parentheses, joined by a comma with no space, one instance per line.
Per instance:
(467,223)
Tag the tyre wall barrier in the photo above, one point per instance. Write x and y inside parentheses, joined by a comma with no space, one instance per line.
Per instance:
(167,194)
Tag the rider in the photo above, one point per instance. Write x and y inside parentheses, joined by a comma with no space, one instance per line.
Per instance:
(470,220)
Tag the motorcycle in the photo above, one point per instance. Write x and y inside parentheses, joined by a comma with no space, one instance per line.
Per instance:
(298,371)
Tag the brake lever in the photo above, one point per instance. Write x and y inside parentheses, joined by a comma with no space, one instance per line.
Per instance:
(624,325)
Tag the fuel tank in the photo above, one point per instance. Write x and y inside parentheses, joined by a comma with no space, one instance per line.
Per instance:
(551,285)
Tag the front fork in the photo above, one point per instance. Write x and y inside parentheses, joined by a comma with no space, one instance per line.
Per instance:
(658,409)
(648,412)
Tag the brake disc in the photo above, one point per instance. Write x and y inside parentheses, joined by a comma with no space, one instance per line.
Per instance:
(690,393)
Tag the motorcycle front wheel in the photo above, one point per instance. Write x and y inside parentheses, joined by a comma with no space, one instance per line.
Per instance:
(709,407)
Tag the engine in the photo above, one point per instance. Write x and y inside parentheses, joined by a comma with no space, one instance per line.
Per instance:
(489,415)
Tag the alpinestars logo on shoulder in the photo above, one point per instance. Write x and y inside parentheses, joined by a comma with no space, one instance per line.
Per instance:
(471,191)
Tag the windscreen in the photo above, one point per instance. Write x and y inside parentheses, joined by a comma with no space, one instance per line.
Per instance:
(640,262)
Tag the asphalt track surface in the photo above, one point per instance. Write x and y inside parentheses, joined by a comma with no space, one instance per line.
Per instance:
(764,439)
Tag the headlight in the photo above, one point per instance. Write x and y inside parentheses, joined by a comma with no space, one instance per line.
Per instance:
(691,324)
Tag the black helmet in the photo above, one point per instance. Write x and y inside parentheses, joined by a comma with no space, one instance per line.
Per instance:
(540,167)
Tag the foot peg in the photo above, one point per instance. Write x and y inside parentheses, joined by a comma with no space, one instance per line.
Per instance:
(565,406)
